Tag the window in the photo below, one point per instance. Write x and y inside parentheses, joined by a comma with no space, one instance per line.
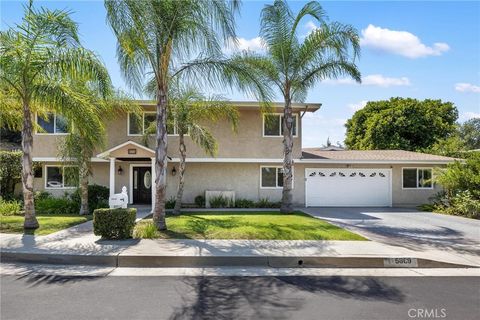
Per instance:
(137,124)
(52,124)
(58,177)
(273,125)
(417,178)
(271,177)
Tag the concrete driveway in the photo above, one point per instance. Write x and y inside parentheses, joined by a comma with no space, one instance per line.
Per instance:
(430,233)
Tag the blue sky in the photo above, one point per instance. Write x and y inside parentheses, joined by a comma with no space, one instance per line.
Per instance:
(409,49)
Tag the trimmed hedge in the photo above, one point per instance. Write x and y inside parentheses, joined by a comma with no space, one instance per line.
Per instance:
(114,224)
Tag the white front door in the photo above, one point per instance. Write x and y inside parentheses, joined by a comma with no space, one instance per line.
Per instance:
(340,187)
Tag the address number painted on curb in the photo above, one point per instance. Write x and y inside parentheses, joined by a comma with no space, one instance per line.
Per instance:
(400,262)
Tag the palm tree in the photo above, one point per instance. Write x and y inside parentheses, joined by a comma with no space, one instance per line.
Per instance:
(294,67)
(190,113)
(40,58)
(80,146)
(157,38)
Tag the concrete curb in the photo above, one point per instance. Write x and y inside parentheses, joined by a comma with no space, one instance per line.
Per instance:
(155,261)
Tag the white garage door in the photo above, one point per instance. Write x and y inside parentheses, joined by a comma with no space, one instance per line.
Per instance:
(337,187)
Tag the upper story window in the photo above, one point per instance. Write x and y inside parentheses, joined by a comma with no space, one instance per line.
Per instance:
(417,178)
(61,177)
(273,125)
(52,123)
(137,124)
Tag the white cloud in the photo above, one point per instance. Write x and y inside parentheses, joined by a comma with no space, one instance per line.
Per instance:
(466,87)
(318,129)
(402,43)
(254,44)
(357,106)
(373,80)
(468,115)
(310,26)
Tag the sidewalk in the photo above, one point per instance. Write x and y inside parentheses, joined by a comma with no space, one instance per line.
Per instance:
(78,245)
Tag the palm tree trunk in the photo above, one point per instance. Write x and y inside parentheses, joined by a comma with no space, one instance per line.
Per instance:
(27,175)
(84,209)
(181,181)
(161,161)
(287,124)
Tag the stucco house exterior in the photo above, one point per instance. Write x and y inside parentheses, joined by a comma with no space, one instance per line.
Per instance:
(248,164)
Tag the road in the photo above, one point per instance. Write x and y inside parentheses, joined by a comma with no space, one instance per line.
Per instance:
(36,296)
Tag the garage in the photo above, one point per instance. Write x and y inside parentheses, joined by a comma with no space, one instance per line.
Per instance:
(341,187)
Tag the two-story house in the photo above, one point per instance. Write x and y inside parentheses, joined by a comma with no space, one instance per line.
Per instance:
(248,163)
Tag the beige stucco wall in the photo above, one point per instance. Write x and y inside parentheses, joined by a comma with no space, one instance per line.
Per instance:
(248,142)
(244,179)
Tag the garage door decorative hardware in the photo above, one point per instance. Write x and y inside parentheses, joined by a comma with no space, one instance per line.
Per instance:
(343,174)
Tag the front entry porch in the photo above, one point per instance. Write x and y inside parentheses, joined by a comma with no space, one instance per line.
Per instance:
(138,163)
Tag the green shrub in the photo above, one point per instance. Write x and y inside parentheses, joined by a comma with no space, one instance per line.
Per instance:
(52,205)
(145,230)
(200,201)
(10,208)
(170,203)
(220,202)
(114,223)
(244,203)
(97,197)
(265,203)
(426,207)
(40,195)
(464,204)
(10,172)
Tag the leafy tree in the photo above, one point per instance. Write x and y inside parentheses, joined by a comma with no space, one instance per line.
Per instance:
(469,132)
(400,123)
(40,60)
(10,172)
(157,38)
(293,66)
(191,113)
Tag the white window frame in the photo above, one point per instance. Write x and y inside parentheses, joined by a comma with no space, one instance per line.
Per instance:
(54,127)
(45,174)
(295,115)
(417,187)
(143,125)
(277,187)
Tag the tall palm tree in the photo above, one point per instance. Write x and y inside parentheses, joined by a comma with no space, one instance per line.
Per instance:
(190,113)
(294,66)
(157,38)
(39,60)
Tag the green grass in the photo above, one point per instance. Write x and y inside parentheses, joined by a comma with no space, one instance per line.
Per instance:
(49,223)
(245,225)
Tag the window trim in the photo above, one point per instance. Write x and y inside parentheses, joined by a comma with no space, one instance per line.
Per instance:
(276,178)
(280,128)
(63,177)
(54,127)
(417,187)
(143,125)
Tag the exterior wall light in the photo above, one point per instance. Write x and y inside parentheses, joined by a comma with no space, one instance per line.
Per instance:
(174,171)
(120,170)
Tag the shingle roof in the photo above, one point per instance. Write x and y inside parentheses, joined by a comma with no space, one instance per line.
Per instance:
(371,155)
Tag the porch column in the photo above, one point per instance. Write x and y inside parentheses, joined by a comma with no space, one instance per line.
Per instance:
(154,183)
(112,176)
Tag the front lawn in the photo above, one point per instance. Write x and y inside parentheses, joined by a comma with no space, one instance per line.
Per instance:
(49,223)
(245,225)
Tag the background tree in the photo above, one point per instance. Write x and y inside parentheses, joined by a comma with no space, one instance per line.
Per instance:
(39,60)
(157,39)
(400,123)
(192,113)
(469,132)
(293,66)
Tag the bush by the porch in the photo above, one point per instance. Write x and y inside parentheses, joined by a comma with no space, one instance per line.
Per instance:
(114,224)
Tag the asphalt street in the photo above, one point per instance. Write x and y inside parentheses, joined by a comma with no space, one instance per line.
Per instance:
(36,296)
